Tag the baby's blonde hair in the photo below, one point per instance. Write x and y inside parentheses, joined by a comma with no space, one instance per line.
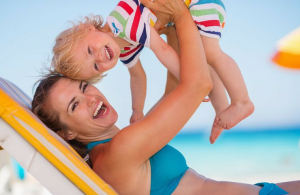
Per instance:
(65,44)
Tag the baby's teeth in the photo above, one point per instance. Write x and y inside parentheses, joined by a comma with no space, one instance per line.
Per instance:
(98,108)
(107,54)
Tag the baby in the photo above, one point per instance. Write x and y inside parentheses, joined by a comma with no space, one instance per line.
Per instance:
(92,47)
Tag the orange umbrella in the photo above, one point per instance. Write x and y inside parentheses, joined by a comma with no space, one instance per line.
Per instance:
(288,50)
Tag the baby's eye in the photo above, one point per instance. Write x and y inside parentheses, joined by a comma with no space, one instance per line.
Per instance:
(74,106)
(89,51)
(96,67)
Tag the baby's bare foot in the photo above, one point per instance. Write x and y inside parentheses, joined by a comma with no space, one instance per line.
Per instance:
(235,113)
(216,130)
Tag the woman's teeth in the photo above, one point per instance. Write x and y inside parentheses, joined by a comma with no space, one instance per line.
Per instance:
(107,52)
(98,108)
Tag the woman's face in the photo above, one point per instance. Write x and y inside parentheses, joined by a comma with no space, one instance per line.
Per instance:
(82,107)
(98,51)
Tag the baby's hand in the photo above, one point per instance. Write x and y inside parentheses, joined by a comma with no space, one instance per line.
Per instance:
(136,115)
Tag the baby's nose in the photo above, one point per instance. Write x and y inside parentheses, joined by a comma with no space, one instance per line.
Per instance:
(99,56)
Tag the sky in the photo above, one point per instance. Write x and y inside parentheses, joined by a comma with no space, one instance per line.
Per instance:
(28,30)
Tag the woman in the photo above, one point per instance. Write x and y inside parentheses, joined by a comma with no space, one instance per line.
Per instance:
(137,160)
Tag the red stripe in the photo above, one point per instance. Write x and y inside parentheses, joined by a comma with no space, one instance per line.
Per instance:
(130,52)
(126,7)
(209,23)
(135,24)
(126,48)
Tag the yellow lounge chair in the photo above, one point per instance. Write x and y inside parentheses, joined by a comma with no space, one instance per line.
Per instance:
(40,151)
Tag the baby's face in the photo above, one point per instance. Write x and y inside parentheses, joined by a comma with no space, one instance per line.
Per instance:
(98,51)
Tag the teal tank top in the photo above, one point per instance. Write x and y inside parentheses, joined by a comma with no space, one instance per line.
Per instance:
(167,168)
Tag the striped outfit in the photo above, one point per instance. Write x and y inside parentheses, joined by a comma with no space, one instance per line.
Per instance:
(131,21)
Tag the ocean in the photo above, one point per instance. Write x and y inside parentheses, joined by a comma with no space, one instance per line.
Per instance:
(243,155)
(248,156)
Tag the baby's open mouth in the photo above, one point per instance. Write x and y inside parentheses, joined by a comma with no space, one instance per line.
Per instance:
(100,110)
(109,53)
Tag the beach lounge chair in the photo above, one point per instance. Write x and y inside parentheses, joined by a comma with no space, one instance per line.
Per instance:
(40,151)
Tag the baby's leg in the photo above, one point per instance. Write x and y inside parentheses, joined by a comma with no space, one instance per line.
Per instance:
(229,73)
(219,101)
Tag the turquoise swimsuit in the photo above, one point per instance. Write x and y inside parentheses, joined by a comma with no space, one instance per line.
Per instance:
(167,168)
(270,189)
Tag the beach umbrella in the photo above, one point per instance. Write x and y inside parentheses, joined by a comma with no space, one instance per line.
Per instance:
(288,50)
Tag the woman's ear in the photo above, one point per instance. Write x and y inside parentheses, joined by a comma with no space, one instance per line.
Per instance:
(71,135)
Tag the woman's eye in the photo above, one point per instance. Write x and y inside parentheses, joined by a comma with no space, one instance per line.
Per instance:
(74,106)
(84,87)
(96,67)
(89,51)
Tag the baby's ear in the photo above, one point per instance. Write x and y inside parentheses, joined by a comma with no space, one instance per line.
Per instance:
(91,28)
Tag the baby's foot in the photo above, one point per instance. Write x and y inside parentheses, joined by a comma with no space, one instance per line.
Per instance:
(235,113)
(216,130)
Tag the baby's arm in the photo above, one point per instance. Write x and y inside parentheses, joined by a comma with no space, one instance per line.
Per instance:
(165,53)
(138,85)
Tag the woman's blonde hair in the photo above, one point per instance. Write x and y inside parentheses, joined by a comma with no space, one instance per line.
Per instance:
(65,44)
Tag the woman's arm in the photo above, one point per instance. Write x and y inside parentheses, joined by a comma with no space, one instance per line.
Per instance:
(138,86)
(144,138)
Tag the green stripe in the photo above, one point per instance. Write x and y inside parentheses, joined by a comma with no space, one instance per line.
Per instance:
(203,12)
(221,17)
(122,21)
(118,16)
(208,12)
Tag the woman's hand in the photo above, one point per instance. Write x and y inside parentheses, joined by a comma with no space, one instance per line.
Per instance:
(165,10)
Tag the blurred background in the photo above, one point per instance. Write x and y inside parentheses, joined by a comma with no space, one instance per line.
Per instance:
(263,147)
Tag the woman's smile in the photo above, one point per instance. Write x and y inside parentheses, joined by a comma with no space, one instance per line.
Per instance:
(101,110)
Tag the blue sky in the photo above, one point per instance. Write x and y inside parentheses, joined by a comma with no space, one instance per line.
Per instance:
(28,30)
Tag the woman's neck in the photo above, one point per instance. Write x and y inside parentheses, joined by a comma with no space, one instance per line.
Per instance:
(110,133)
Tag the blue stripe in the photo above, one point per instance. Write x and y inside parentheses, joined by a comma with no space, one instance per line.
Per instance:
(136,2)
(132,57)
(142,8)
(143,36)
(210,32)
(218,2)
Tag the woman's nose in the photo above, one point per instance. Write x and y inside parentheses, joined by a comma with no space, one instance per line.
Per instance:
(90,99)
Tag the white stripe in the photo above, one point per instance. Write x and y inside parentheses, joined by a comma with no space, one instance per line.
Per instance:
(140,28)
(203,6)
(133,62)
(221,10)
(122,12)
(129,25)
(146,17)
